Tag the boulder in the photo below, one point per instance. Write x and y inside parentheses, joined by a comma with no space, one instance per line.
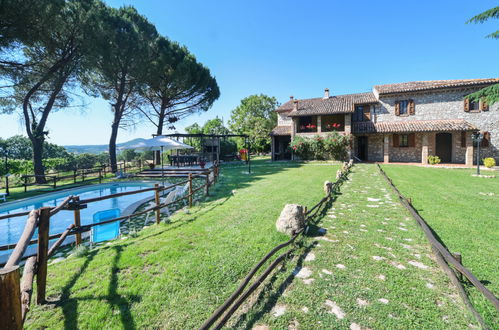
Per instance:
(291,220)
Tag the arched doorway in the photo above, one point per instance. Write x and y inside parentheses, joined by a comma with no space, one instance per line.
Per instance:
(443,142)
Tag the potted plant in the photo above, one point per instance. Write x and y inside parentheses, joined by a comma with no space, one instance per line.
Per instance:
(151,166)
(202,163)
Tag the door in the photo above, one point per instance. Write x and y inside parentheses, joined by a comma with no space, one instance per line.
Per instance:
(362,148)
(443,150)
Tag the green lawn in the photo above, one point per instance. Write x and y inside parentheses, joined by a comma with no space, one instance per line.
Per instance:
(464,211)
(372,268)
(174,275)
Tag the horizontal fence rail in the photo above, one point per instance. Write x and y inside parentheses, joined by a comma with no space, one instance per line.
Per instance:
(15,289)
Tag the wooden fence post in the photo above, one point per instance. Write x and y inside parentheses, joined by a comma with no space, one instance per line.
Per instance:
(55,182)
(100,176)
(104,168)
(42,257)
(10,298)
(459,259)
(25,183)
(77,219)
(207,185)
(74,175)
(190,190)
(158,202)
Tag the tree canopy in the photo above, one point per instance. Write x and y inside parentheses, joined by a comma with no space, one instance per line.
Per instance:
(176,85)
(491,93)
(255,117)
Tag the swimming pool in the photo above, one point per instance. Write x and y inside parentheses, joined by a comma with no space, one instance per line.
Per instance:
(11,229)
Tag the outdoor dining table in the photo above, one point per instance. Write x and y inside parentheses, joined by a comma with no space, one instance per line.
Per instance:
(183,160)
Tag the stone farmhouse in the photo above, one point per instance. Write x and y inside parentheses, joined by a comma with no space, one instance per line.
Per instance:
(404,122)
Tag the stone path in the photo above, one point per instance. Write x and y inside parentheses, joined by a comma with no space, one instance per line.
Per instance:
(368,266)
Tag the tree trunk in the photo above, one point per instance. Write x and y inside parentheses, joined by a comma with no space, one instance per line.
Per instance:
(157,153)
(112,147)
(37,142)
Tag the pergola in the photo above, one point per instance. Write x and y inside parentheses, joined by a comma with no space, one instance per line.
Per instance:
(212,141)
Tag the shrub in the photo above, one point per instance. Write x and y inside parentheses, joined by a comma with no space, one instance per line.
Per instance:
(489,162)
(332,146)
(433,160)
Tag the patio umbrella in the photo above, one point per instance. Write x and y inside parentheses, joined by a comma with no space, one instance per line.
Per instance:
(159,143)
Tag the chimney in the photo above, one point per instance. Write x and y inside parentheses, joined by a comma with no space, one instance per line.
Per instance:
(326,93)
(291,98)
(295,105)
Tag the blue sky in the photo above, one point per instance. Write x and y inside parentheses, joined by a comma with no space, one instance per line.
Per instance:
(282,48)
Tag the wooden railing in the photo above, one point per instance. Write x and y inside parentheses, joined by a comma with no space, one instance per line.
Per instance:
(16,291)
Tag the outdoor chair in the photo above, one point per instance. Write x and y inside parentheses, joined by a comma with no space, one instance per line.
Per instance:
(3,196)
(181,191)
(169,198)
(106,231)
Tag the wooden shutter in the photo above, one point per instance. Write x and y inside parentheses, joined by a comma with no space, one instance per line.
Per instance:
(412,109)
(466,105)
(397,108)
(367,113)
(395,140)
(486,140)
(484,106)
(411,140)
(463,139)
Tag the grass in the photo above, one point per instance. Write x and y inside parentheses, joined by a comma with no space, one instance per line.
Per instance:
(371,250)
(463,210)
(174,275)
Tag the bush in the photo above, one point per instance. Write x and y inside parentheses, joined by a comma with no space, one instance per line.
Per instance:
(433,160)
(489,162)
(332,146)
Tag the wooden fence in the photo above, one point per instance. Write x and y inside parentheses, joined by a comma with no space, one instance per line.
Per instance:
(16,290)
(79,175)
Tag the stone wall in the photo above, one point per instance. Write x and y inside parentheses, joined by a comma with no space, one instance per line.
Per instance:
(406,154)
(375,148)
(445,105)
(283,119)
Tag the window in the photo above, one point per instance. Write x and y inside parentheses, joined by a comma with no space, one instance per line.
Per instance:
(332,123)
(486,140)
(307,124)
(404,108)
(404,140)
(475,106)
(362,113)
(463,139)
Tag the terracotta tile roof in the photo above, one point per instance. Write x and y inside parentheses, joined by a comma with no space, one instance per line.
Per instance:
(281,130)
(431,84)
(412,126)
(334,104)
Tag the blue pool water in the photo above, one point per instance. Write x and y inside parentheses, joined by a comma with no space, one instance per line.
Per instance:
(11,229)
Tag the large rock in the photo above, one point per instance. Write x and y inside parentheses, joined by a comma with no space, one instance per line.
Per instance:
(291,219)
(328,186)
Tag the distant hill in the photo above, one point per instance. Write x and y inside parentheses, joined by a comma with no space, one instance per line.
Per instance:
(97,148)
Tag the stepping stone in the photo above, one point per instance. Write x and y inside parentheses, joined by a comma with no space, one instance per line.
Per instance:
(429,286)
(302,272)
(403,229)
(373,199)
(305,309)
(325,271)
(372,205)
(355,326)
(335,309)
(405,246)
(340,266)
(362,302)
(417,264)
(378,258)
(278,310)
(397,265)
(381,277)
(310,256)
(324,238)
(308,281)
(383,301)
